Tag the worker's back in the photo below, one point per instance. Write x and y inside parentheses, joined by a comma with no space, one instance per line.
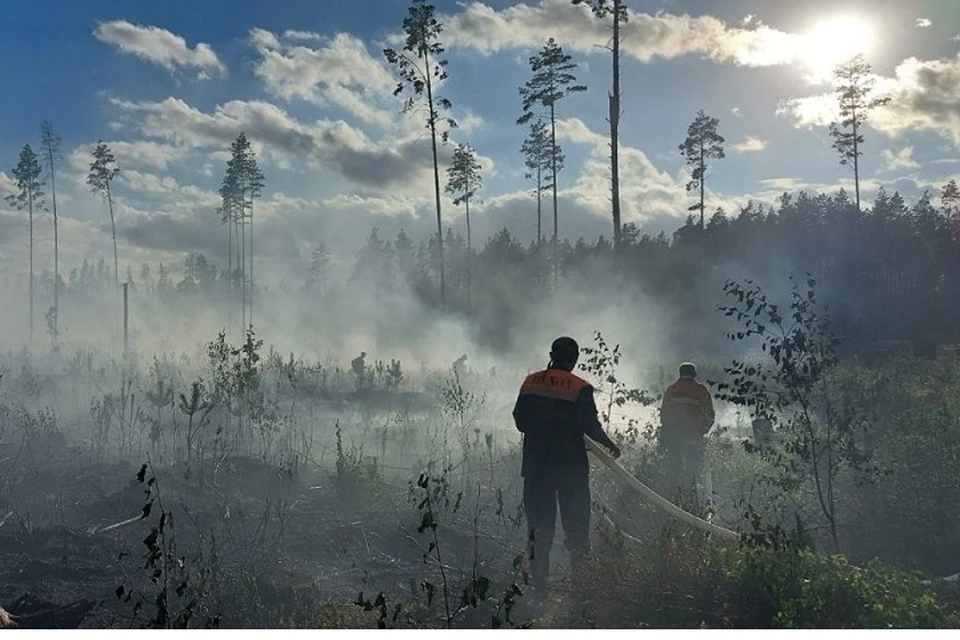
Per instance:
(553,414)
(686,413)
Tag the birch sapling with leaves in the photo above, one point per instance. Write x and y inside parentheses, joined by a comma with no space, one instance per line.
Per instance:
(421,66)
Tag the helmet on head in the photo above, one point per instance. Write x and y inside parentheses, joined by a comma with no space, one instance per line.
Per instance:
(564,349)
(688,370)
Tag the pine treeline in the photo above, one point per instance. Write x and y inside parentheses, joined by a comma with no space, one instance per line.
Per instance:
(891,274)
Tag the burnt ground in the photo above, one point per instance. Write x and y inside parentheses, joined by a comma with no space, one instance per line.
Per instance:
(259,547)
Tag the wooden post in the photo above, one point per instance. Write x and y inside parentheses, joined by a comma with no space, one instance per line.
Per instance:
(126,316)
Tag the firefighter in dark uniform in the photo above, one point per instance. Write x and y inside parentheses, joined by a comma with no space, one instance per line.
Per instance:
(554,410)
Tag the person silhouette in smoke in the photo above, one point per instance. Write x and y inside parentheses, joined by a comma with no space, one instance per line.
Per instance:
(359,367)
(554,410)
(686,415)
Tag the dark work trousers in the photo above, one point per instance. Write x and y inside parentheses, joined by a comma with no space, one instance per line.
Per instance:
(683,465)
(542,490)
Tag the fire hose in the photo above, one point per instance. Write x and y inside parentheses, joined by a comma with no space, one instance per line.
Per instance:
(655,499)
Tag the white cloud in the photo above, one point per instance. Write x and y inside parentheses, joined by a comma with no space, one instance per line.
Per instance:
(393,164)
(749,144)
(923,23)
(7,186)
(783,184)
(469,122)
(338,72)
(160,47)
(645,191)
(139,153)
(902,159)
(736,112)
(151,185)
(309,36)
(810,111)
(575,130)
(482,28)
(924,95)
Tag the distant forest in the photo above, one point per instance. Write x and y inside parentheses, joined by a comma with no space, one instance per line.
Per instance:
(887,273)
(890,273)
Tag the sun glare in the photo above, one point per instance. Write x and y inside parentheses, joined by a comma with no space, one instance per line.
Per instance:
(833,41)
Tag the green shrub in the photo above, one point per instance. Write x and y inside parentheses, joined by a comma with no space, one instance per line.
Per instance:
(681,579)
(795,588)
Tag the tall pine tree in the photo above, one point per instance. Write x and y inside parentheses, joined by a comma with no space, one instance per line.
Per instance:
(103,170)
(540,157)
(242,184)
(703,143)
(854,81)
(552,80)
(463,182)
(420,65)
(29,198)
(50,149)
(604,9)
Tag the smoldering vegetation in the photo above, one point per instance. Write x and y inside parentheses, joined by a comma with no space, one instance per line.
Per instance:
(190,446)
(271,478)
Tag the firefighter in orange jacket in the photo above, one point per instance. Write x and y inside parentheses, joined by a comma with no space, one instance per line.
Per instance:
(554,410)
(686,415)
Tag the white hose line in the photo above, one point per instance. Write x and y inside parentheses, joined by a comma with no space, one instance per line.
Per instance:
(656,499)
(671,509)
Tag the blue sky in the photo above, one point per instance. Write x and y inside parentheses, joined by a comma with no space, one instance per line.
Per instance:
(168,84)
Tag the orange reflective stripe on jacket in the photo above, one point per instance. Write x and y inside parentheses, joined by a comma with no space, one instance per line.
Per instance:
(553,383)
(687,397)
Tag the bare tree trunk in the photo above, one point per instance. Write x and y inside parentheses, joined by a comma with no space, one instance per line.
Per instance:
(856,165)
(243,261)
(703,176)
(251,260)
(539,206)
(113,229)
(703,230)
(30,218)
(469,250)
(553,160)
(229,270)
(56,250)
(614,129)
(239,261)
(436,179)
(553,163)
(539,261)
(126,318)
